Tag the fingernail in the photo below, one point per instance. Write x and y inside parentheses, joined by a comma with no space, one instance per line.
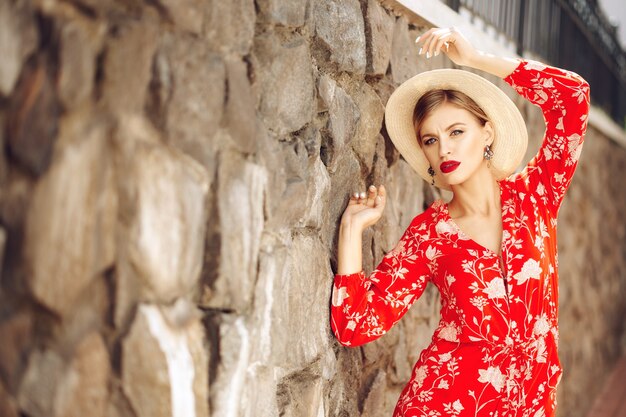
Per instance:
(372,187)
(427,55)
(436,53)
(420,52)
(418,39)
(362,194)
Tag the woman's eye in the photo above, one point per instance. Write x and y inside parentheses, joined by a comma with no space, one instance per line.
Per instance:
(456,132)
(429,141)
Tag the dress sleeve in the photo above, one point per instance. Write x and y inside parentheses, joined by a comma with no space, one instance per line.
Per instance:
(563,97)
(365,308)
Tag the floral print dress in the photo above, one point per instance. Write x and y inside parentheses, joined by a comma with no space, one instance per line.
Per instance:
(494,352)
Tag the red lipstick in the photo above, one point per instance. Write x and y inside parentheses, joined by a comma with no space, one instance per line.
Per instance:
(449,166)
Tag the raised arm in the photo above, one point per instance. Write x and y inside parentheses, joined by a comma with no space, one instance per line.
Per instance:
(562,95)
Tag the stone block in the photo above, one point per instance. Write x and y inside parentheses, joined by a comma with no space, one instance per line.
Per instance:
(301,395)
(340,27)
(240,112)
(166,236)
(229,25)
(84,387)
(404,58)
(241,188)
(285,82)
(187,15)
(192,90)
(18,39)
(33,116)
(74,211)
(379,28)
(80,41)
(16,333)
(128,63)
(38,388)
(164,363)
(286,13)
(343,113)
(228,389)
(367,131)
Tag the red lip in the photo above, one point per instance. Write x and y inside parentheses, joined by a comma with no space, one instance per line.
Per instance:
(449,166)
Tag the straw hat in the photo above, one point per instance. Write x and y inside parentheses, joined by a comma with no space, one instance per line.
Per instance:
(511,138)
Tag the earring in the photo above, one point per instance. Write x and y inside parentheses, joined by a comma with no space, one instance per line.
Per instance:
(431,172)
(488,153)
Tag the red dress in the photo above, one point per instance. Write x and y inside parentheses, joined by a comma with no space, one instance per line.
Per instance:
(494,352)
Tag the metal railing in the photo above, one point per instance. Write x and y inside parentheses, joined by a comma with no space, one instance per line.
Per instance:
(572,34)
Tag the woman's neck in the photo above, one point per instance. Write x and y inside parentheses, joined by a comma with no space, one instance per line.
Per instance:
(479,195)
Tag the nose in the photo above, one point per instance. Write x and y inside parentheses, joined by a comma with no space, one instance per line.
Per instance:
(444,147)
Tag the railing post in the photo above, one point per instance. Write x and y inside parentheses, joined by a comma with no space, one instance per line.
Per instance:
(520,32)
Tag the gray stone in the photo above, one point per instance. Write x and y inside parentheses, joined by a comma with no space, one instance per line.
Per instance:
(18,39)
(228,389)
(239,112)
(339,25)
(285,82)
(74,210)
(128,62)
(301,395)
(171,190)
(164,365)
(84,387)
(241,188)
(195,100)
(286,13)
(367,132)
(343,114)
(80,42)
(345,179)
(375,404)
(379,31)
(37,391)
(404,58)
(229,25)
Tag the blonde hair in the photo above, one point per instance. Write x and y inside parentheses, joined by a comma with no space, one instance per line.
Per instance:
(432,99)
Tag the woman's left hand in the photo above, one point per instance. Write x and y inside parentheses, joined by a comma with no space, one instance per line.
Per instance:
(451,42)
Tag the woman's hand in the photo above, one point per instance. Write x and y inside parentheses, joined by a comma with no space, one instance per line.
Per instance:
(451,42)
(364,209)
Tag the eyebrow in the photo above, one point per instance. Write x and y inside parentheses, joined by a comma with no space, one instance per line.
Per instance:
(448,128)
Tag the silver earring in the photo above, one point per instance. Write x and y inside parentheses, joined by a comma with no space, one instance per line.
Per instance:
(431,172)
(488,153)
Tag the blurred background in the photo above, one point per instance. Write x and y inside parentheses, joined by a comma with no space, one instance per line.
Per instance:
(173,174)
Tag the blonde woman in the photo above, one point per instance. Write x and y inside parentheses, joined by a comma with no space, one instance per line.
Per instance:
(491,251)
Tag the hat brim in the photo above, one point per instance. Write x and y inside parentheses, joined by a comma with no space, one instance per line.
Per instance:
(510,135)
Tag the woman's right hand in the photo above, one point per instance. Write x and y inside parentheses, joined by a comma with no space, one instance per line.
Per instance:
(364,210)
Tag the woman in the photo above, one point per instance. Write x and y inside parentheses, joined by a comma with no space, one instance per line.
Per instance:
(491,251)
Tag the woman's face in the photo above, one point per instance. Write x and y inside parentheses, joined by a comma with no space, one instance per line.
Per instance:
(454,142)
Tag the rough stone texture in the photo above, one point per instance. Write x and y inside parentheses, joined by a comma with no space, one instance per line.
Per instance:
(18,38)
(339,25)
(193,89)
(290,13)
(164,362)
(379,29)
(285,79)
(83,390)
(80,41)
(77,221)
(229,25)
(171,185)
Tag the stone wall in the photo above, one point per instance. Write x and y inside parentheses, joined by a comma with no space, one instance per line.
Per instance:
(170,188)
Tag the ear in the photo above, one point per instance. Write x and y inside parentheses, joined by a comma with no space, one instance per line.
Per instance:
(489,133)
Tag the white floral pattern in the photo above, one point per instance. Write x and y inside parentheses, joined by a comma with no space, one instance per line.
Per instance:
(494,352)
